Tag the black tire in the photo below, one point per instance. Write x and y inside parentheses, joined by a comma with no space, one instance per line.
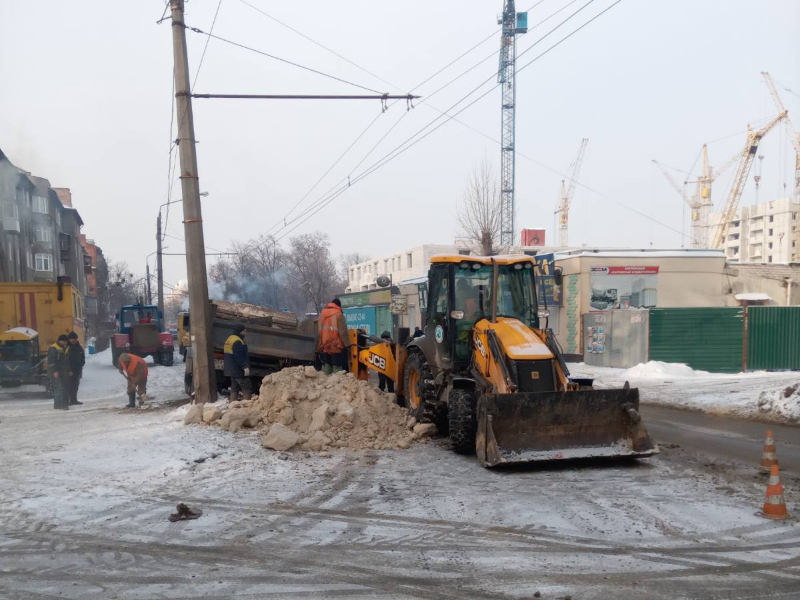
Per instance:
(167,359)
(462,420)
(419,396)
(114,358)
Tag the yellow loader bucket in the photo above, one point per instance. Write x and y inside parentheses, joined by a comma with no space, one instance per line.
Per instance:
(549,426)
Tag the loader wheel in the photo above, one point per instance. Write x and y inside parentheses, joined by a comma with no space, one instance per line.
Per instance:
(462,420)
(417,398)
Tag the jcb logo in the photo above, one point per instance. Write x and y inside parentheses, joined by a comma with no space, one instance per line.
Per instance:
(377,361)
(479,346)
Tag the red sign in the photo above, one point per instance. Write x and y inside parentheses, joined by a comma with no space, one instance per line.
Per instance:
(625,270)
(532,237)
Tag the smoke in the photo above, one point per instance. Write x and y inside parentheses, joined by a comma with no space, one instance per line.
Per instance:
(185,304)
(218,290)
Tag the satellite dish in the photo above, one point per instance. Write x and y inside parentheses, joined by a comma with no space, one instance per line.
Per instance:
(384,281)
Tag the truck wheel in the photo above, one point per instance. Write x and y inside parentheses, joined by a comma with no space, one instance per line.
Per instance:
(114,358)
(462,420)
(167,358)
(419,396)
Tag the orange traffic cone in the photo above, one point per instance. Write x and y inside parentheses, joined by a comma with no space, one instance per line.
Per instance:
(769,457)
(774,504)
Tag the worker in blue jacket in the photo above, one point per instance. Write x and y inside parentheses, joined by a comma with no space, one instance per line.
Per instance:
(237,364)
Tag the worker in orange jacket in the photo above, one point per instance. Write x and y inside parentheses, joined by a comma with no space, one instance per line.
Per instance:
(333,340)
(134,369)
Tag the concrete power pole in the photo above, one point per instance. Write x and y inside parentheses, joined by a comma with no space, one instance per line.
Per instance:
(204,377)
(159,265)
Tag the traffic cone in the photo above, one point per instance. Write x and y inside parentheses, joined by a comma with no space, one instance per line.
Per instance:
(769,457)
(774,504)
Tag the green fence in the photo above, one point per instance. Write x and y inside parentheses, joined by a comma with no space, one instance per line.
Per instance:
(773,338)
(707,339)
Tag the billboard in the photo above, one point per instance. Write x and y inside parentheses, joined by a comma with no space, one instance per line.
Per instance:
(362,318)
(621,288)
(546,288)
(532,237)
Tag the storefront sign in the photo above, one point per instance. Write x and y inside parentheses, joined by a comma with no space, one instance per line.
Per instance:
(620,288)
(366,298)
(361,318)
(399,305)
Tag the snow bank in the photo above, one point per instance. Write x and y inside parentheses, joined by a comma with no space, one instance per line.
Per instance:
(656,369)
(781,402)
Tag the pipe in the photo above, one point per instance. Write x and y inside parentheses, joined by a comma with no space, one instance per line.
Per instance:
(788,290)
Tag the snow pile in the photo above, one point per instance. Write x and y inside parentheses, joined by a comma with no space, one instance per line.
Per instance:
(301,407)
(783,403)
(655,369)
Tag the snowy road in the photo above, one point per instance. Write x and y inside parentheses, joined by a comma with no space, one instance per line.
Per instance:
(85,497)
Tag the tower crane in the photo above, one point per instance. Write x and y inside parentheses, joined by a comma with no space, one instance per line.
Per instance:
(567,191)
(513,24)
(793,135)
(746,158)
(700,203)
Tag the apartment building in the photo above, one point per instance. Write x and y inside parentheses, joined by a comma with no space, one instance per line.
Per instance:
(762,233)
(400,266)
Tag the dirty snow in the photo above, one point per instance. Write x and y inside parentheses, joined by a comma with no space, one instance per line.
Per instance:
(757,395)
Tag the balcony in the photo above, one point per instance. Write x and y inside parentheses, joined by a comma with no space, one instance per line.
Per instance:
(65,244)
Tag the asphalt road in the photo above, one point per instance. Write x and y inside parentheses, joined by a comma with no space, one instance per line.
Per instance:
(722,438)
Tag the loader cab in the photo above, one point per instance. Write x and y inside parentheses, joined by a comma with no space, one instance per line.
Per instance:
(462,291)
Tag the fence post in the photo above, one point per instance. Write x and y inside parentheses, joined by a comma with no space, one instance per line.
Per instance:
(745,336)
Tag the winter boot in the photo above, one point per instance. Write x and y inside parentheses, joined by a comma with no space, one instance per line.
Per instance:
(142,399)
(327,369)
(335,370)
(131,400)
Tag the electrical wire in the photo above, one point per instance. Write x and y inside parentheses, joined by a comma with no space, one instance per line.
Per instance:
(408,144)
(205,48)
(283,60)
(324,201)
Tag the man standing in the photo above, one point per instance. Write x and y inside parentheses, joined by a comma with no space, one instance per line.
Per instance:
(57,372)
(333,338)
(237,364)
(134,369)
(76,358)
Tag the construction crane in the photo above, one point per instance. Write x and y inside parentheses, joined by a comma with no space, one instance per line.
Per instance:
(700,203)
(567,191)
(793,135)
(513,23)
(746,158)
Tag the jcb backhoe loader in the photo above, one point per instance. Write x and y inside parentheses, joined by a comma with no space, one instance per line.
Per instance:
(490,373)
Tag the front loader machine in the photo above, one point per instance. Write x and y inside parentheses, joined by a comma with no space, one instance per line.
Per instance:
(499,376)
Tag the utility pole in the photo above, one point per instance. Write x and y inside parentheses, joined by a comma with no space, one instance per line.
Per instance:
(149,290)
(204,377)
(159,265)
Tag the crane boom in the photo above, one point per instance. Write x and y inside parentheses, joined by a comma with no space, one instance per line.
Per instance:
(793,135)
(745,162)
(672,181)
(566,197)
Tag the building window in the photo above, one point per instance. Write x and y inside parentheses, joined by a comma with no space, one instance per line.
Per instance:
(409,261)
(771,218)
(769,245)
(385,266)
(770,232)
(58,218)
(44,263)
(794,215)
(41,205)
(769,259)
(41,233)
(9,210)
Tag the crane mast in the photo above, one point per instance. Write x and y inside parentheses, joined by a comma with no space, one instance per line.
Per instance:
(566,196)
(745,162)
(793,135)
(513,23)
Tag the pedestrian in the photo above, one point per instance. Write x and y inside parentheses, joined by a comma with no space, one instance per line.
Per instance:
(134,369)
(76,359)
(417,333)
(334,341)
(385,381)
(57,372)
(237,364)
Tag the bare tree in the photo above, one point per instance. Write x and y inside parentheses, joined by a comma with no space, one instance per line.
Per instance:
(311,269)
(348,260)
(479,212)
(122,288)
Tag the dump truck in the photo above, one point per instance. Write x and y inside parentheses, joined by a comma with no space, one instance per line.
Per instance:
(140,331)
(490,372)
(22,360)
(50,309)
(275,339)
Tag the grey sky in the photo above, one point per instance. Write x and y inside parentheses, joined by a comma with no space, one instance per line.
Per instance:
(86,100)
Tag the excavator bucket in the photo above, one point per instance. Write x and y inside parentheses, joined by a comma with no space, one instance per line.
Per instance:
(549,426)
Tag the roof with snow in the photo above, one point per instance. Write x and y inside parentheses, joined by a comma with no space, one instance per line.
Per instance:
(753,296)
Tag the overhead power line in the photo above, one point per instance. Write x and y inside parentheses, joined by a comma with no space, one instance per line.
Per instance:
(283,60)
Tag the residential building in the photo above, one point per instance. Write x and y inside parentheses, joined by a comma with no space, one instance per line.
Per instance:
(765,232)
(399,266)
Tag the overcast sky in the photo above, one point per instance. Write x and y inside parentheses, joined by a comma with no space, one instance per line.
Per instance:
(86,100)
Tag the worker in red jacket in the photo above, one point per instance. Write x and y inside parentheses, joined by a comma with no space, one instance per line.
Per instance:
(333,340)
(134,369)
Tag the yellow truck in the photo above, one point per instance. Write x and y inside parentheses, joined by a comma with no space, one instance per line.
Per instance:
(48,308)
